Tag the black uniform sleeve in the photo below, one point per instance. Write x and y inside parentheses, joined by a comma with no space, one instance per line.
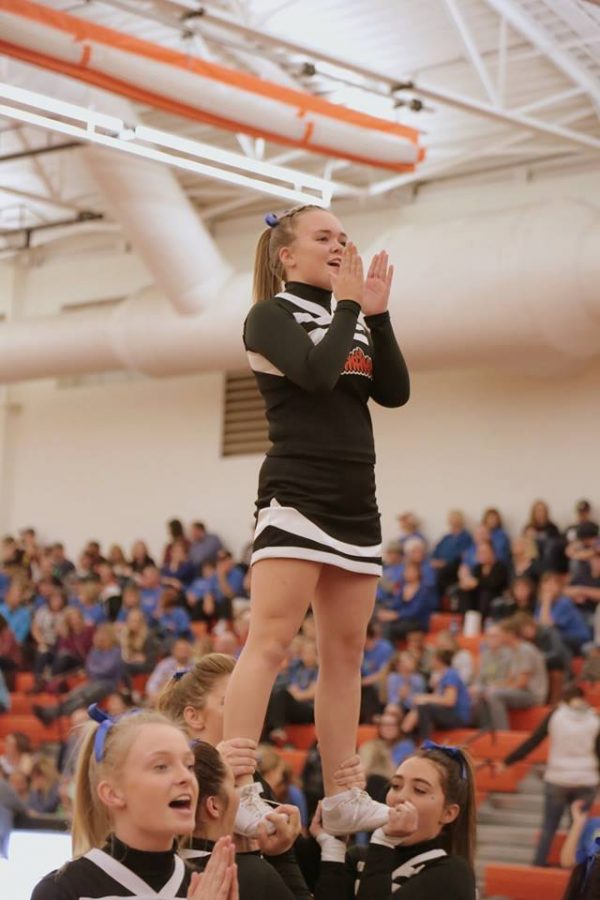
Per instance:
(286,865)
(535,738)
(451,878)
(391,382)
(334,882)
(271,331)
(50,889)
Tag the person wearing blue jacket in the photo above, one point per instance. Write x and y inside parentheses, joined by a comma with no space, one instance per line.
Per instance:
(412,609)
(556,610)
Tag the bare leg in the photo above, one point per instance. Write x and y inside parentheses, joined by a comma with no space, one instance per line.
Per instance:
(342,608)
(281,592)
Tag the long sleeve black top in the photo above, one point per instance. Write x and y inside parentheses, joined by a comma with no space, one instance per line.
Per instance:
(256,878)
(317,369)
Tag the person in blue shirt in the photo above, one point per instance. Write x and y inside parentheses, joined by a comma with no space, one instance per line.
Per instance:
(294,704)
(178,572)
(404,683)
(170,620)
(409,528)
(449,550)
(16,612)
(415,551)
(150,589)
(388,588)
(412,609)
(583,837)
(498,536)
(449,706)
(377,654)
(556,610)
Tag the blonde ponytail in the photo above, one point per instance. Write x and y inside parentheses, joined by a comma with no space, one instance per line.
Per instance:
(269,273)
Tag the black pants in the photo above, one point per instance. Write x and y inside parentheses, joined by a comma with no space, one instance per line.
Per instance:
(397,631)
(285,710)
(370,704)
(433,715)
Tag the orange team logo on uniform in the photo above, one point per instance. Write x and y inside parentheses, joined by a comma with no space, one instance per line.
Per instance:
(358,363)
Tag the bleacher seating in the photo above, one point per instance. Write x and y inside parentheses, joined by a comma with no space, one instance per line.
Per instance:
(525,882)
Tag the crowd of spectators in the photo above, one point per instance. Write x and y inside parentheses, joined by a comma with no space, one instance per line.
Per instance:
(114,628)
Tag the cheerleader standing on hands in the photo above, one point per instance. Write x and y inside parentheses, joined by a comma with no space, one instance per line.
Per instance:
(318,533)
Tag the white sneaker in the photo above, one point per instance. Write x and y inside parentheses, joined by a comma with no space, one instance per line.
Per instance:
(352,811)
(252,811)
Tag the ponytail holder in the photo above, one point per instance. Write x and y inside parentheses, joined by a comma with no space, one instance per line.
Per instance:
(177,676)
(454,753)
(105,723)
(272,219)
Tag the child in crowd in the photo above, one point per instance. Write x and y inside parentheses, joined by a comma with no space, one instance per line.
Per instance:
(448,707)
(404,682)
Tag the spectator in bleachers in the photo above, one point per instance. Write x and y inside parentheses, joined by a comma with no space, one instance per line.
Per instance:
(525,684)
(204,546)
(526,558)
(139,647)
(376,656)
(176,538)
(520,597)
(498,535)
(404,682)
(388,587)
(15,610)
(170,621)
(449,706)
(43,795)
(584,591)
(104,670)
(11,806)
(61,566)
(449,550)
(179,571)
(415,551)
(111,590)
(199,588)
(382,755)
(462,658)
(150,589)
(69,748)
(294,702)
(278,775)
(547,536)
(422,652)
(4,695)
(571,774)
(548,641)
(180,660)
(486,581)
(583,514)
(409,528)
(412,608)
(45,629)
(87,600)
(20,783)
(75,638)
(18,754)
(580,842)
(131,599)
(118,562)
(580,550)
(554,608)
(493,663)
(140,557)
(10,653)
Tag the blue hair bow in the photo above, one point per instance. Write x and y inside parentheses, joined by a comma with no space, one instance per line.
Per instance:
(105,723)
(453,752)
(272,219)
(177,676)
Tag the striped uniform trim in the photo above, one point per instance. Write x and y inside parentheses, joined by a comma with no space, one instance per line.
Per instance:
(137,888)
(283,532)
(315,320)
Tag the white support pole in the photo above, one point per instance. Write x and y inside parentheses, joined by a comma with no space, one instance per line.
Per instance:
(472,51)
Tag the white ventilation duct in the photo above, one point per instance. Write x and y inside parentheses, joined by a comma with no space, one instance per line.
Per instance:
(515,290)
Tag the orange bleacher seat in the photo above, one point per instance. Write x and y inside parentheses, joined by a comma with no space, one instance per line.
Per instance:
(505,782)
(24,681)
(470,643)
(554,854)
(527,719)
(525,882)
(295,759)
(366,733)
(577,666)
(33,728)
(440,621)
(301,736)
(491,745)
(21,704)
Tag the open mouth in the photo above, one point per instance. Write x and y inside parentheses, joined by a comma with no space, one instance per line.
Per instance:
(184,802)
(334,263)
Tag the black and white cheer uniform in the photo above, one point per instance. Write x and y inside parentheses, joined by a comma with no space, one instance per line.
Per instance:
(257,879)
(316,370)
(117,872)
